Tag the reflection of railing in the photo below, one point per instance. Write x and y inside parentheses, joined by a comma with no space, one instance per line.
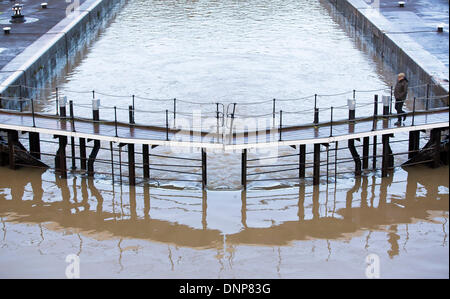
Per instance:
(258,173)
(127,218)
(117,166)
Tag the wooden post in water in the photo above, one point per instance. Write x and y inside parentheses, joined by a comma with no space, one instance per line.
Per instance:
(13,138)
(204,170)
(204,209)
(96,148)
(60,158)
(35,144)
(435,139)
(72,139)
(374,153)
(244,169)
(351,142)
(131,166)
(146,161)
(413,146)
(316,167)
(83,160)
(302,160)
(387,160)
(366,142)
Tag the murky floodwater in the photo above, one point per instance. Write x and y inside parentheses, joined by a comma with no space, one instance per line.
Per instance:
(295,232)
(226,51)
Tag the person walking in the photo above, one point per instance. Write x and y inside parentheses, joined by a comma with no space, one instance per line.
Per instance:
(400,94)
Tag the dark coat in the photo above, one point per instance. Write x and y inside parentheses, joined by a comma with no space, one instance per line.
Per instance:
(401,90)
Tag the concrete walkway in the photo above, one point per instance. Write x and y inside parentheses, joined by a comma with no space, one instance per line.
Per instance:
(414,29)
(38,22)
(421,17)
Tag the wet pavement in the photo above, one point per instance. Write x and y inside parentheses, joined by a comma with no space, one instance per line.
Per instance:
(414,29)
(38,22)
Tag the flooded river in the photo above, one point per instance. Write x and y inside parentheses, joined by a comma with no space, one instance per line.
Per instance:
(224,51)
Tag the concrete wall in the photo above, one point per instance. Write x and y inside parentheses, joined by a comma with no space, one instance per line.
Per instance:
(58,48)
(388,51)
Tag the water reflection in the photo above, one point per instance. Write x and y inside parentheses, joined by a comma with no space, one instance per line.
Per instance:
(96,212)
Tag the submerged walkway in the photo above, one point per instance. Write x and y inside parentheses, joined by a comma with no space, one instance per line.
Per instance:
(227,139)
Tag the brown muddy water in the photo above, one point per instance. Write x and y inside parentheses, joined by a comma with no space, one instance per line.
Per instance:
(146,232)
(225,51)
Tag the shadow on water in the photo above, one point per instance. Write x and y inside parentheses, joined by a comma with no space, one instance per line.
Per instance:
(369,205)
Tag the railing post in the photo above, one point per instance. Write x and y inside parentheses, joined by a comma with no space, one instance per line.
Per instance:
(72,115)
(167,125)
(96,109)
(428,97)
(131,115)
(281,123)
(244,169)
(386,106)
(331,122)
(391,99)
(351,110)
(32,112)
(115,121)
(375,112)
(414,111)
(316,111)
(174,111)
(273,110)
(62,107)
(375,105)
(57,100)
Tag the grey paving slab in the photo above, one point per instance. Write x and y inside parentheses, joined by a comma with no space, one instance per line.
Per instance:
(38,22)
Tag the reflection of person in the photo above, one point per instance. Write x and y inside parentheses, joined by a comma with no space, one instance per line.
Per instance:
(400,93)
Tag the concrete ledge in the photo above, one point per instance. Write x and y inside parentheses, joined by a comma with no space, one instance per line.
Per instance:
(399,51)
(56,48)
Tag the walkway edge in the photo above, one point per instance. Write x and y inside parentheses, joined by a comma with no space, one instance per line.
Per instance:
(26,62)
(420,66)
